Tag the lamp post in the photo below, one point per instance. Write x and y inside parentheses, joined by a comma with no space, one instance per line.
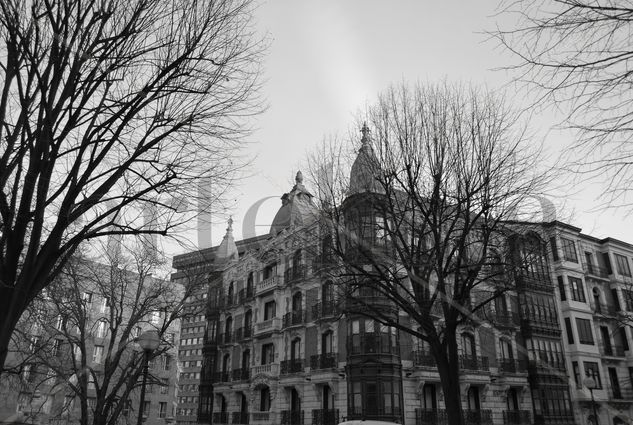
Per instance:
(148,341)
(590,383)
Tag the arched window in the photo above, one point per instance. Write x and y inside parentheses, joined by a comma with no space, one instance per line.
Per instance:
(295,349)
(226,361)
(596,299)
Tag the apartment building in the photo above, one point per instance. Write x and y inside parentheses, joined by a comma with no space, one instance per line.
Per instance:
(594,299)
(278,350)
(66,336)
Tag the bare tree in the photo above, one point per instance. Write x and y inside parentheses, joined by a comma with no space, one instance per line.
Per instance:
(578,53)
(79,339)
(112,110)
(422,227)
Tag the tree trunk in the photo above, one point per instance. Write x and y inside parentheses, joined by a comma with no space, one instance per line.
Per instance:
(448,368)
(11,311)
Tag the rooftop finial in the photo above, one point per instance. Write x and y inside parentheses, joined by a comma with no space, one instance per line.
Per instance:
(230,222)
(299,178)
(365,130)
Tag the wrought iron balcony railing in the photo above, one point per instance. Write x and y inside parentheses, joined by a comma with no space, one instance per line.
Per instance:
(323,361)
(512,366)
(240,418)
(424,359)
(292,417)
(242,374)
(324,309)
(517,417)
(477,363)
(294,318)
(325,417)
(292,366)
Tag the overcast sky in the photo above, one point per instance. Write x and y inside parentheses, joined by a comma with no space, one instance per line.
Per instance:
(329,58)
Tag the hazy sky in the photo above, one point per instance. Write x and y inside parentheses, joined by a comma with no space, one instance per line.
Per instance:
(329,58)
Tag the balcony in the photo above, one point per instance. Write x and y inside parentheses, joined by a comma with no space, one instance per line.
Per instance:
(602,309)
(511,366)
(373,412)
(267,326)
(323,361)
(595,271)
(220,417)
(267,285)
(424,359)
(325,309)
(295,274)
(475,363)
(240,374)
(517,417)
(263,418)
(292,417)
(292,366)
(535,283)
(221,376)
(245,294)
(241,418)
(612,350)
(270,369)
(507,319)
(226,338)
(477,417)
(325,417)
(230,301)
(364,304)
(431,417)
(294,318)
(243,333)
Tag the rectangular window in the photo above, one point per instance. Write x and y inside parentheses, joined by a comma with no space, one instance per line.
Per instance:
(592,370)
(569,250)
(268,353)
(577,379)
(105,303)
(164,386)
(146,407)
(561,288)
(57,347)
(552,244)
(570,334)
(162,409)
(585,335)
(577,289)
(86,297)
(623,338)
(97,354)
(269,310)
(622,265)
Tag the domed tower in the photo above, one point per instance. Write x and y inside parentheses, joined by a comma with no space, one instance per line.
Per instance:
(374,370)
(297,208)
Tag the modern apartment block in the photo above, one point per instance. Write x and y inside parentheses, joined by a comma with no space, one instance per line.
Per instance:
(594,299)
(277,349)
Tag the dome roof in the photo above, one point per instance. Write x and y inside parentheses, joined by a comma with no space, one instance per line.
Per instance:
(365,168)
(297,208)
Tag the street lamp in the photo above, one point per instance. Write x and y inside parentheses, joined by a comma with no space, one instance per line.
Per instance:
(148,341)
(590,383)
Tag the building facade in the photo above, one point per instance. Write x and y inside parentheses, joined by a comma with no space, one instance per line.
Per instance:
(593,293)
(69,330)
(277,348)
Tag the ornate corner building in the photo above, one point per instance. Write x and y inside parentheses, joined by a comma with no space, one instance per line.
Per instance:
(274,346)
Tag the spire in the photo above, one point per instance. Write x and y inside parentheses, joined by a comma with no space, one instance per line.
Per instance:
(299,178)
(366,137)
(366,166)
(227,249)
